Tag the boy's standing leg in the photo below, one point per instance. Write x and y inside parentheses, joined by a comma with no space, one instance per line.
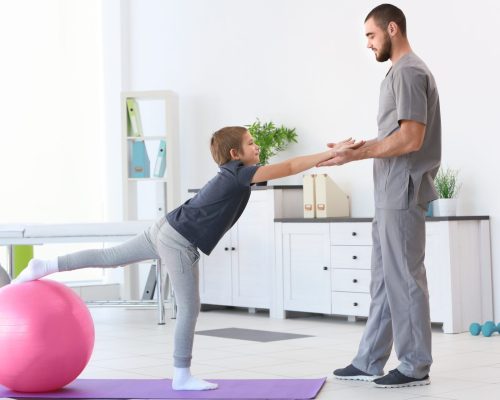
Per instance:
(181,260)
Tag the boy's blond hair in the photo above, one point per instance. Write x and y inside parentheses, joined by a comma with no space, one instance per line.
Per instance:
(225,139)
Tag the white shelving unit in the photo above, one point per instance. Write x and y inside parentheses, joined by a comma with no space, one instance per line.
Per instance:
(149,198)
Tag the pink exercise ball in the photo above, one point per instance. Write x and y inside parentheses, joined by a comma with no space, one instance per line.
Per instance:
(46,336)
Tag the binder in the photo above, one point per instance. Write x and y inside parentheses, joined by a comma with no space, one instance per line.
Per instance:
(161,160)
(139,160)
(308,182)
(134,118)
(331,201)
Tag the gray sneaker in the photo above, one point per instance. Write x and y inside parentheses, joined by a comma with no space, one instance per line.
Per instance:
(351,373)
(395,379)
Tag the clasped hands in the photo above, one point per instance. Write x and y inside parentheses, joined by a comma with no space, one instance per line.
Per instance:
(342,152)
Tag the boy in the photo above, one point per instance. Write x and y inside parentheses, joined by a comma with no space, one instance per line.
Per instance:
(197,224)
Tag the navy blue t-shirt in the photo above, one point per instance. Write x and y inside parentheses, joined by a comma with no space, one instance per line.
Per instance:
(206,217)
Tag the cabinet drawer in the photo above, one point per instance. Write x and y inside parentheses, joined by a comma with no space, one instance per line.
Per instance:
(351,280)
(357,304)
(357,233)
(351,257)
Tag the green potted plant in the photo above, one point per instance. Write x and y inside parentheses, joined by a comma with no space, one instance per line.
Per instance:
(270,138)
(447,187)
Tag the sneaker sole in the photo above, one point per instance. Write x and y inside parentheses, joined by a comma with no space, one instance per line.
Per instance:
(363,378)
(415,383)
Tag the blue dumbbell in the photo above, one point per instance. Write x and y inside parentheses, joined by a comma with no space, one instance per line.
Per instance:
(475,329)
(489,327)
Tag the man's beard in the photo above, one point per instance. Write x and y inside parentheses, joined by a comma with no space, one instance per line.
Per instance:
(386,49)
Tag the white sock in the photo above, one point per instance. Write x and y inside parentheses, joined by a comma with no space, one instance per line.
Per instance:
(183,380)
(37,268)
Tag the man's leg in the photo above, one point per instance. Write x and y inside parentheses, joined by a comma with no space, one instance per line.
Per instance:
(402,239)
(376,343)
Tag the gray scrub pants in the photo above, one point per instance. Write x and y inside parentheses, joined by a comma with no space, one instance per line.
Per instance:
(399,310)
(180,258)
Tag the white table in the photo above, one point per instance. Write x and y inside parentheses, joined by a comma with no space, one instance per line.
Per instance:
(38,234)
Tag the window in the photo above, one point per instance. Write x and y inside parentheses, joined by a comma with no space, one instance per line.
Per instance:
(52,147)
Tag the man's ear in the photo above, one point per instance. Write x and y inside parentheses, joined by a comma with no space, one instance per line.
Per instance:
(392,28)
(234,154)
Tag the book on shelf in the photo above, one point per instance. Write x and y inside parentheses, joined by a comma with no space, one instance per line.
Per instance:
(161,160)
(134,118)
(139,161)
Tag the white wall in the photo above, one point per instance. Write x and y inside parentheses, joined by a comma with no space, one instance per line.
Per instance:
(303,63)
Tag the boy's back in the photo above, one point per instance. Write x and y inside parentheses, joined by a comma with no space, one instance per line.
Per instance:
(206,217)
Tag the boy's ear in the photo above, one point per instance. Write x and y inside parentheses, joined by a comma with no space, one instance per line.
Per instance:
(234,154)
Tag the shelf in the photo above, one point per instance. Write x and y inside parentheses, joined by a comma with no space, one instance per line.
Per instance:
(148,179)
(149,137)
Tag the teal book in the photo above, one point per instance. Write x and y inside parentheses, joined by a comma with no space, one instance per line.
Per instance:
(139,160)
(161,160)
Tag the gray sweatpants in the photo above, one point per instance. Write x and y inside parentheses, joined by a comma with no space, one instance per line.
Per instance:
(399,308)
(180,258)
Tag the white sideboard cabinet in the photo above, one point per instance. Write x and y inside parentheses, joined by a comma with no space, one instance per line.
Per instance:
(323,266)
(239,271)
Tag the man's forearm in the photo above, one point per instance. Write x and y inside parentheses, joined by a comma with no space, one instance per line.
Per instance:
(393,145)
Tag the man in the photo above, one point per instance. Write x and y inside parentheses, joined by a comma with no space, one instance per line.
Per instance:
(407,154)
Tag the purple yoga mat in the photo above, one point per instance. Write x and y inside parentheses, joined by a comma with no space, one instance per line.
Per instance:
(241,389)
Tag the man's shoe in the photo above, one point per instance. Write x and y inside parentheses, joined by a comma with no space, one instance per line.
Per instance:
(351,373)
(395,379)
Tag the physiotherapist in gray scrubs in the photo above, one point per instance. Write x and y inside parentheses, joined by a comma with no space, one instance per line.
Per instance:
(407,155)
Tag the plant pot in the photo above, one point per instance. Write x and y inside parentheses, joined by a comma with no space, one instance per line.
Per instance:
(444,207)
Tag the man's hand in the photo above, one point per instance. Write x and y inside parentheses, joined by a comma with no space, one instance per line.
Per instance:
(344,152)
(346,144)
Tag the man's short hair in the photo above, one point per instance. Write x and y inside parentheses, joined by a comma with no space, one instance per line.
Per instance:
(225,139)
(385,13)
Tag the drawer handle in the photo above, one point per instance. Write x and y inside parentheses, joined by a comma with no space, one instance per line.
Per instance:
(354,234)
(325,268)
(354,281)
(355,304)
(233,248)
(354,257)
(226,248)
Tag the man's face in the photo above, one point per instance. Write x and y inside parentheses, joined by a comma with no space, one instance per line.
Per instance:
(379,41)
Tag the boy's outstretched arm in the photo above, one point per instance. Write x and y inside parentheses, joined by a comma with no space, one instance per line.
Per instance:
(295,165)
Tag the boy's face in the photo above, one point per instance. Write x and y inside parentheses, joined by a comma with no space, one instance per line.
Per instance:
(249,153)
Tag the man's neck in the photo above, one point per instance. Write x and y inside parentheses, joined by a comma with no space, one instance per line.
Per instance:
(399,52)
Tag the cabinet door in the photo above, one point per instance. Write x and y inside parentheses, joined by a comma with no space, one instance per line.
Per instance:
(306,267)
(437,268)
(253,239)
(216,274)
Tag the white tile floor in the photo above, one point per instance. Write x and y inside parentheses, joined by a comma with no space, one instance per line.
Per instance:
(129,344)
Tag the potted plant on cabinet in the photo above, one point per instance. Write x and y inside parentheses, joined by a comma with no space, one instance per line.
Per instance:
(271,139)
(447,187)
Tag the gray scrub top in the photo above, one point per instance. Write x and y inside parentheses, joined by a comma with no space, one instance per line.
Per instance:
(408,92)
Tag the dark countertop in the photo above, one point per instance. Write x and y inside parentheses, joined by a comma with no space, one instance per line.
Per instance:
(369,219)
(263,187)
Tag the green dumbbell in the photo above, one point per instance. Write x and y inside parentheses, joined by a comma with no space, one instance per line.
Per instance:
(489,327)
